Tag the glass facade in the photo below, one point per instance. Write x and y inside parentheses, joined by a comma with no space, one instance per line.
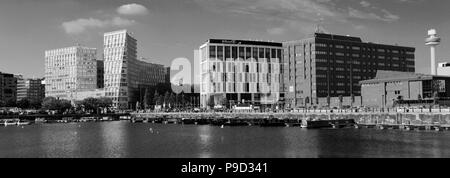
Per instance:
(126,77)
(69,70)
(240,73)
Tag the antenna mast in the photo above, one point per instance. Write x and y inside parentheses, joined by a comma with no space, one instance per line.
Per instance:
(319,24)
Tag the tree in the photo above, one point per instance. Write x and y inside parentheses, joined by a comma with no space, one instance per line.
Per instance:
(224,101)
(11,103)
(90,104)
(23,103)
(167,98)
(147,98)
(64,105)
(156,98)
(172,100)
(35,104)
(51,103)
(105,102)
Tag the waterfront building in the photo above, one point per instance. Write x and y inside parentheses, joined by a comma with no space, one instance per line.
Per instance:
(97,93)
(389,88)
(31,89)
(443,69)
(127,77)
(239,71)
(325,70)
(100,74)
(8,89)
(21,90)
(70,70)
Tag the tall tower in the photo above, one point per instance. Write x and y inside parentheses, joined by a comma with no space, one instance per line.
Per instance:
(120,52)
(433,41)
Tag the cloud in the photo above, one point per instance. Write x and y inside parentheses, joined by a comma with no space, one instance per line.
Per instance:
(81,25)
(386,17)
(132,9)
(276,31)
(296,13)
(365,4)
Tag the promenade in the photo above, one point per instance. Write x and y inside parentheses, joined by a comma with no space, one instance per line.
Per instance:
(423,118)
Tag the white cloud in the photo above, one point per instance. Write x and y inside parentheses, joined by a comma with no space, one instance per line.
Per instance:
(132,9)
(80,25)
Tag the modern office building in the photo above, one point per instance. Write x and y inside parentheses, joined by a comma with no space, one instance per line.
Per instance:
(70,70)
(127,77)
(100,74)
(8,89)
(389,89)
(326,69)
(97,93)
(239,71)
(31,89)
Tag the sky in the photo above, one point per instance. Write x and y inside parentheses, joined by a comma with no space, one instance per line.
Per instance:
(169,29)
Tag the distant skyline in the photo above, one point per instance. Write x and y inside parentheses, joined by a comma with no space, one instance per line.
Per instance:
(168,29)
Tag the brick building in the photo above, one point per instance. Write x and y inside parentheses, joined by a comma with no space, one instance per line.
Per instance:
(404,88)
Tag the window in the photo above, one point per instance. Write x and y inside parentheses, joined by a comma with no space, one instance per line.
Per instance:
(212,51)
(227,52)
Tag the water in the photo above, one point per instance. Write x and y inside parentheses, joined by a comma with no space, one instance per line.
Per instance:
(123,139)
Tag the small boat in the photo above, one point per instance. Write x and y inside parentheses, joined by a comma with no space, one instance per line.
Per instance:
(437,129)
(40,120)
(9,122)
(23,123)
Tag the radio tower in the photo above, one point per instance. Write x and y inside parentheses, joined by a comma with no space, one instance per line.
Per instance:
(433,41)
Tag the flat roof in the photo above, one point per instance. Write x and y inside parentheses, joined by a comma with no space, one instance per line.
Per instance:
(345,38)
(245,42)
(392,76)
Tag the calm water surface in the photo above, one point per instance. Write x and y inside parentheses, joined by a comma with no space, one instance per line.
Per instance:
(124,139)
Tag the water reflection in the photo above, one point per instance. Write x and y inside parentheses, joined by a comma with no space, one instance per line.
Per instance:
(299,143)
(124,139)
(114,140)
(58,140)
(205,135)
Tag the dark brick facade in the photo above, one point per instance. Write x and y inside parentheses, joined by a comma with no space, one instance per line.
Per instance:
(331,66)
